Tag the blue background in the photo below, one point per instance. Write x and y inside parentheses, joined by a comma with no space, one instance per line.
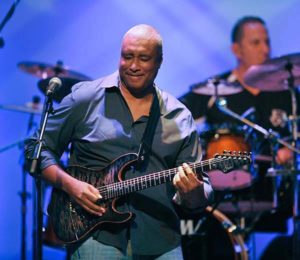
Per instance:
(86,36)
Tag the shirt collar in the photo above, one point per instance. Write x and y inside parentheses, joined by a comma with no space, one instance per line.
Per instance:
(111,80)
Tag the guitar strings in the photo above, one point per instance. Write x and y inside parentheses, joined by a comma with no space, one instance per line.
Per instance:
(110,190)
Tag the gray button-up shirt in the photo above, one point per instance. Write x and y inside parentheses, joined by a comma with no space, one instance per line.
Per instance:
(97,122)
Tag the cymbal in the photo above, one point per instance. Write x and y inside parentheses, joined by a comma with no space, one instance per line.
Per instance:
(223,88)
(43,70)
(30,108)
(61,92)
(273,74)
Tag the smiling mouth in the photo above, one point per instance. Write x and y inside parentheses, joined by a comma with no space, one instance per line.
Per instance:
(134,77)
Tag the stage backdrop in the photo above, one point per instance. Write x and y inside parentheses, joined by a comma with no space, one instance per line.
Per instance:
(86,36)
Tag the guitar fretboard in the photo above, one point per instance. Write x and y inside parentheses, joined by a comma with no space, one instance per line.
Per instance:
(143,182)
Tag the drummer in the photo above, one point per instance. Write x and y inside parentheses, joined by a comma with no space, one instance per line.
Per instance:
(251,46)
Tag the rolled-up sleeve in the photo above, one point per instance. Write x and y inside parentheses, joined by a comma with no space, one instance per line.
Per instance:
(57,135)
(191,152)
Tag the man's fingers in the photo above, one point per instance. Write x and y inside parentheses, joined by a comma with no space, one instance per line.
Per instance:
(182,175)
(93,194)
(88,200)
(91,207)
(178,181)
(187,169)
(93,211)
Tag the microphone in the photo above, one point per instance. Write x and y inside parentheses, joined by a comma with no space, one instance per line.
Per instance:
(54,84)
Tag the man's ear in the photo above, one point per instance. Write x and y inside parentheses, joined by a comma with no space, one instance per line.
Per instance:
(235,48)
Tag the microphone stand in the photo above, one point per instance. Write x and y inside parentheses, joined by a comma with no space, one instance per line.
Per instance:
(37,241)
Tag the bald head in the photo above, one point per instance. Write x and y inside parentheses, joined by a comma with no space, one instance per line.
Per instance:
(148,33)
(141,57)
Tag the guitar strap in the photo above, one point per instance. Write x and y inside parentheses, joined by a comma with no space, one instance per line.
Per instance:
(147,139)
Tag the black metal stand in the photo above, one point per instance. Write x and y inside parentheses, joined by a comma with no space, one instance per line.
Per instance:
(267,134)
(24,196)
(38,229)
(296,175)
(6,18)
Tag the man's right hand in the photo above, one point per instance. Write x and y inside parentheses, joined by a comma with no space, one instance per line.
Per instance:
(85,194)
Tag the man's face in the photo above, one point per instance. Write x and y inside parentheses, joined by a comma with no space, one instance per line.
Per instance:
(139,63)
(254,46)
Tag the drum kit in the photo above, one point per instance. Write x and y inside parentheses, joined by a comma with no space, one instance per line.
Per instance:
(275,75)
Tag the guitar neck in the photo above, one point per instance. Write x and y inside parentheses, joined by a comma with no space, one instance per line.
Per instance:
(154,179)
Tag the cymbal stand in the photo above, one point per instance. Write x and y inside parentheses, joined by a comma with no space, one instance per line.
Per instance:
(295,170)
(24,194)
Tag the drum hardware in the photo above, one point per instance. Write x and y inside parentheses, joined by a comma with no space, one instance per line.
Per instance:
(248,112)
(270,135)
(216,238)
(33,108)
(231,137)
(23,194)
(236,179)
(217,87)
(262,158)
(28,108)
(225,197)
(224,137)
(46,72)
(278,176)
(2,24)
(277,74)
(283,73)
(277,172)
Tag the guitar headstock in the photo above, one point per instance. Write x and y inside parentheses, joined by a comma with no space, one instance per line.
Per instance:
(231,160)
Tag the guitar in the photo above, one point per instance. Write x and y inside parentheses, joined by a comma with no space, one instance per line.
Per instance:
(71,223)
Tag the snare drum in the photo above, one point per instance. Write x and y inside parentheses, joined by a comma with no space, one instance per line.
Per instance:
(224,139)
(214,237)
